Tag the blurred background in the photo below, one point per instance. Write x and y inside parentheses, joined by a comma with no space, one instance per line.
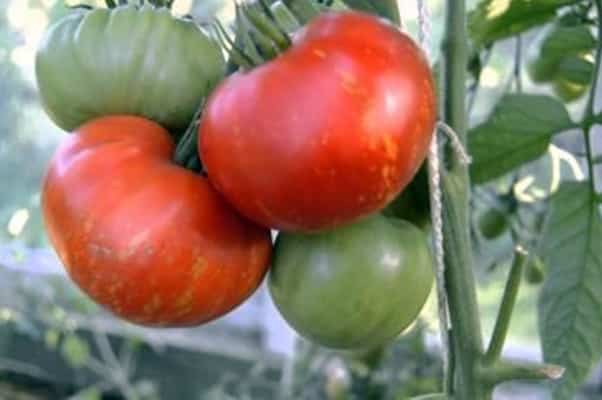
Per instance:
(56,344)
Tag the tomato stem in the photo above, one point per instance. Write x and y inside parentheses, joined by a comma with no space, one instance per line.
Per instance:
(504,371)
(507,307)
(465,334)
(304,10)
(186,153)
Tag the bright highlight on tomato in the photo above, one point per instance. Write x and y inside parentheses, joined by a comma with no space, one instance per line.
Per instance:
(149,240)
(357,286)
(329,131)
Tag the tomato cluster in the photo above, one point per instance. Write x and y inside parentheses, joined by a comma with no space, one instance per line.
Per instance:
(314,144)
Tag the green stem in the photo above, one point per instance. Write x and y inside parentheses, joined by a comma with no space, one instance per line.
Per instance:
(303,10)
(186,153)
(503,371)
(507,307)
(589,118)
(466,338)
(518,52)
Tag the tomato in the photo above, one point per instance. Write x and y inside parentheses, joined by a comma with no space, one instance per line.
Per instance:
(535,270)
(143,237)
(329,131)
(357,286)
(569,91)
(127,60)
(493,223)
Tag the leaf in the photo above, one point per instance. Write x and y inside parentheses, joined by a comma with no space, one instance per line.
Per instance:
(384,8)
(570,305)
(75,350)
(493,20)
(519,130)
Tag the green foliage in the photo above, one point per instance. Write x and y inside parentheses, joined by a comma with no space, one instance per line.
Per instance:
(518,131)
(521,129)
(494,20)
(570,307)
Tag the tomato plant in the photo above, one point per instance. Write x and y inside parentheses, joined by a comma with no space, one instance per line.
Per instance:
(127,60)
(329,131)
(145,238)
(355,286)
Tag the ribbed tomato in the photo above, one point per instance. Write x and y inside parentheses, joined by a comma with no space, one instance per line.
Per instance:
(145,238)
(329,131)
(127,60)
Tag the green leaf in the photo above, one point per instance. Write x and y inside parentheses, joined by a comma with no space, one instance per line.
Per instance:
(518,131)
(493,20)
(438,396)
(384,8)
(75,350)
(570,306)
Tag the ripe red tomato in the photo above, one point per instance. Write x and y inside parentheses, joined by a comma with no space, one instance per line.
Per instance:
(330,130)
(147,239)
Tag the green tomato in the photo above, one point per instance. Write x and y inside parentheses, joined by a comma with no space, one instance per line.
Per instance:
(127,60)
(569,91)
(354,287)
(535,271)
(542,69)
(493,223)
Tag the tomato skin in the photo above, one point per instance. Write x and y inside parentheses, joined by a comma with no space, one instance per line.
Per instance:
(125,61)
(357,286)
(329,131)
(147,239)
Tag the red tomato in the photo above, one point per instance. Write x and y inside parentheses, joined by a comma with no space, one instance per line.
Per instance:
(330,130)
(145,238)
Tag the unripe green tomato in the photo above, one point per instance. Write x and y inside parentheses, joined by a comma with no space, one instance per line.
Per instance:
(569,91)
(534,272)
(127,60)
(542,70)
(492,223)
(354,287)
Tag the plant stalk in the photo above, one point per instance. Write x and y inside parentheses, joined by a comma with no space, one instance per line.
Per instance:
(589,119)
(466,336)
(507,307)
(503,371)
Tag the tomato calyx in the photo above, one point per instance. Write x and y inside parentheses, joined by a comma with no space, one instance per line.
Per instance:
(262,31)
(156,3)
(186,154)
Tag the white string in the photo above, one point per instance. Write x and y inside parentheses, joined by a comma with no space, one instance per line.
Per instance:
(459,149)
(424,36)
